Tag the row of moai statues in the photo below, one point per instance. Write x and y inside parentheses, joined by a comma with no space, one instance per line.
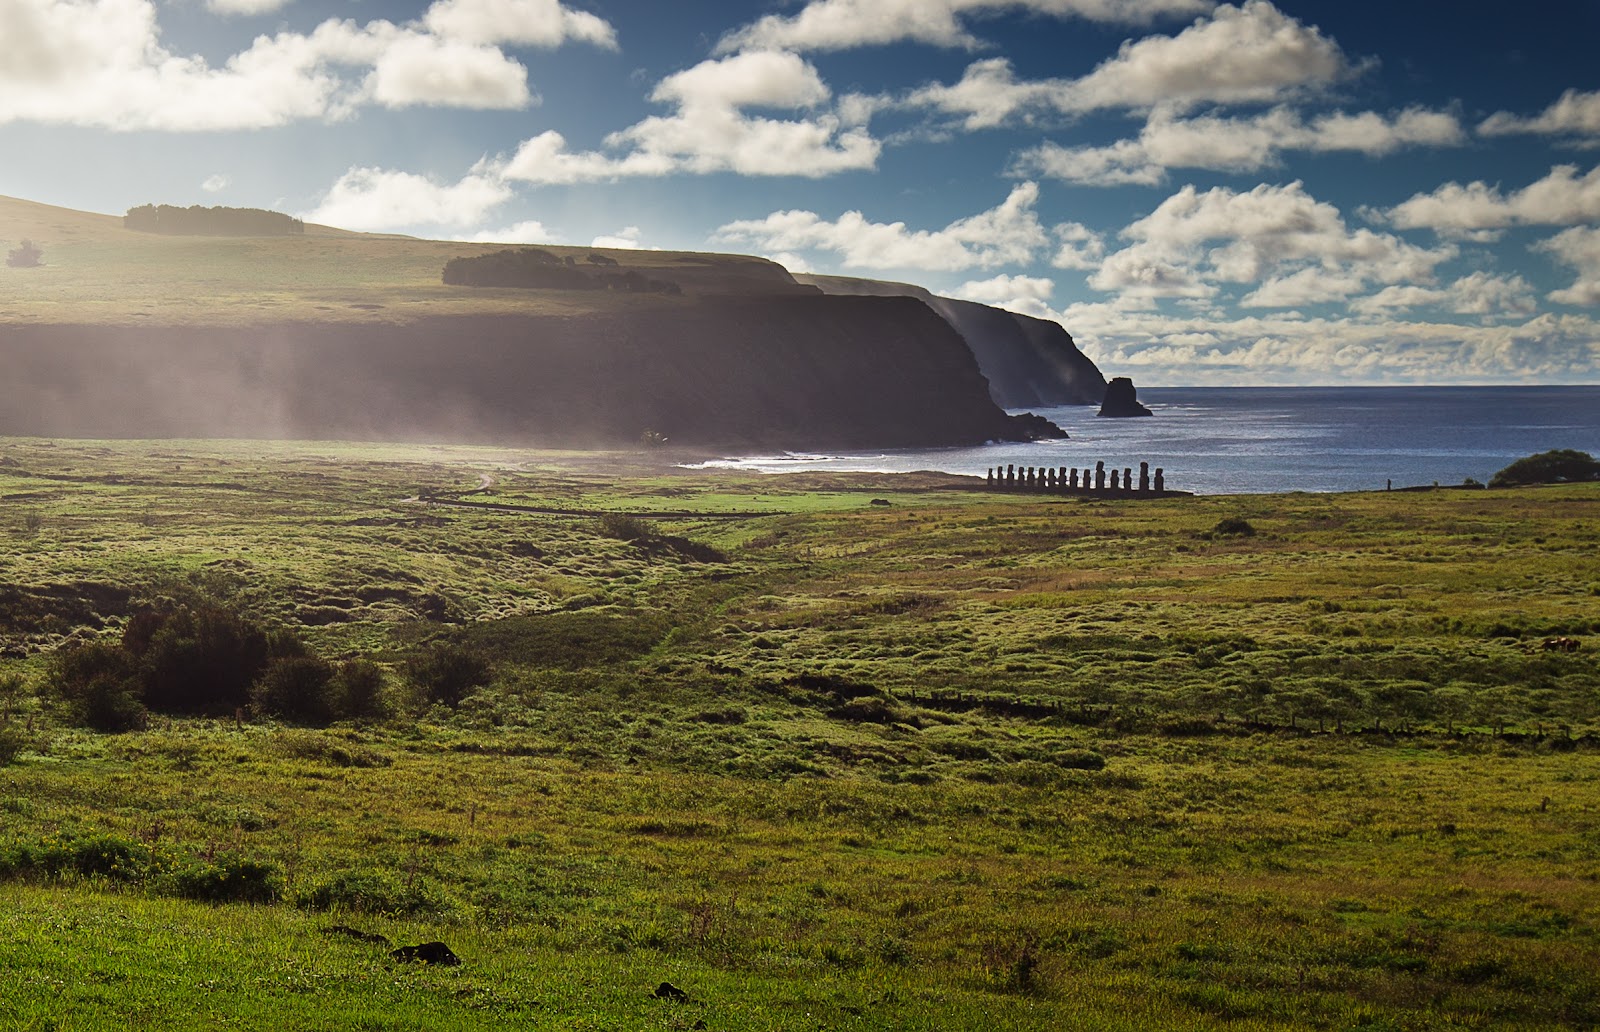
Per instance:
(1063,478)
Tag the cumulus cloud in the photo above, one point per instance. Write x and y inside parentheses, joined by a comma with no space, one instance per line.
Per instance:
(417,69)
(246,7)
(1223,144)
(1289,348)
(538,23)
(1574,114)
(843,24)
(1479,293)
(215,184)
(377,200)
(1081,247)
(1252,53)
(629,238)
(1561,198)
(1009,233)
(101,63)
(1029,295)
(1579,249)
(711,129)
(531,231)
(1296,248)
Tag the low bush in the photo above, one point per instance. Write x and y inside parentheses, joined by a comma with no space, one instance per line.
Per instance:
(375,892)
(446,672)
(227,879)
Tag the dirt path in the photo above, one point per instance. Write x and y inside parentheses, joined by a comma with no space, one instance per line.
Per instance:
(541,510)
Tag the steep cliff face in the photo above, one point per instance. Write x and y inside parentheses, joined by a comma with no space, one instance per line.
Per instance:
(803,370)
(1028,361)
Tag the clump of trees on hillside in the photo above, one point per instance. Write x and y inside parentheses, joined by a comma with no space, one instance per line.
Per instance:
(26,255)
(533,268)
(208,659)
(1560,466)
(198,220)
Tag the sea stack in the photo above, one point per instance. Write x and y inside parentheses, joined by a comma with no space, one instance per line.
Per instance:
(1122,400)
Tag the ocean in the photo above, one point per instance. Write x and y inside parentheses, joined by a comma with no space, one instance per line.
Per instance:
(1251,440)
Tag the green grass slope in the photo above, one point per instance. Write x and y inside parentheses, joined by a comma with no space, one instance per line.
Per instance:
(964,760)
(97,272)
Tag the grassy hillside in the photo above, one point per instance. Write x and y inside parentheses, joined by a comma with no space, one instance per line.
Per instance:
(97,272)
(961,760)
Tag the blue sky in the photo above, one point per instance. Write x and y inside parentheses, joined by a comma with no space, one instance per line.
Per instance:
(1256,192)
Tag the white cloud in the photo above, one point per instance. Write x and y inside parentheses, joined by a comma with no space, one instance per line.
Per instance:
(376,200)
(1236,144)
(1479,293)
(1579,249)
(418,69)
(215,184)
(842,24)
(1009,233)
(531,231)
(1560,198)
(1253,53)
(1298,250)
(1081,247)
(1576,113)
(539,23)
(246,7)
(1290,349)
(1029,295)
(626,239)
(102,63)
(712,132)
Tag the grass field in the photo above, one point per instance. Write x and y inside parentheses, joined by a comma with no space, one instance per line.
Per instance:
(959,760)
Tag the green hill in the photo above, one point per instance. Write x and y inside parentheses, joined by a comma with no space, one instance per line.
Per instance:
(336,334)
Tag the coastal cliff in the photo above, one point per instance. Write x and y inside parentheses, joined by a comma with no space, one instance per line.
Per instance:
(324,333)
(1028,362)
(729,372)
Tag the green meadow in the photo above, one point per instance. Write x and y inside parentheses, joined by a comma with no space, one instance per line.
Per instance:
(822,751)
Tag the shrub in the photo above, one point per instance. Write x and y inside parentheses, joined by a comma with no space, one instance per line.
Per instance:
(201,659)
(97,683)
(12,742)
(446,673)
(27,255)
(296,688)
(1233,526)
(227,879)
(357,689)
(1560,466)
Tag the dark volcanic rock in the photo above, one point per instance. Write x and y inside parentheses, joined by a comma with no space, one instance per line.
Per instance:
(1122,400)
(668,991)
(1027,361)
(727,372)
(426,953)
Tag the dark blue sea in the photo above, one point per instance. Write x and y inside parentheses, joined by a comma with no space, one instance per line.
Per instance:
(1242,440)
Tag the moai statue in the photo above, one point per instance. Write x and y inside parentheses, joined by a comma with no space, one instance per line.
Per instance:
(1099,476)
(1144,477)
(1127,478)
(1161,481)
(1027,478)
(1114,485)
(1074,482)
(1011,475)
(1061,478)
(989,481)
(1049,479)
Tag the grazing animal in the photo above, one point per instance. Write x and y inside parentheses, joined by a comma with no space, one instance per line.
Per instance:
(1561,644)
(427,953)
